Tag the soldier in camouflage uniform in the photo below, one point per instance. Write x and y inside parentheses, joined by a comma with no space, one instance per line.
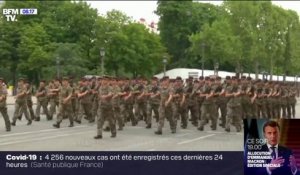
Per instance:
(140,103)
(29,99)
(95,85)
(292,101)
(65,104)
(3,107)
(276,101)
(116,90)
(191,103)
(165,107)
(200,99)
(153,101)
(221,101)
(53,97)
(284,100)
(129,101)
(105,109)
(21,103)
(42,101)
(177,104)
(84,97)
(208,108)
(233,106)
(245,98)
(259,100)
(268,100)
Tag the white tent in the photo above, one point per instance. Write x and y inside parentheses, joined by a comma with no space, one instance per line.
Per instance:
(185,73)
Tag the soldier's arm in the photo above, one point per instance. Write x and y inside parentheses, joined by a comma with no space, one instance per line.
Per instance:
(169,99)
(109,95)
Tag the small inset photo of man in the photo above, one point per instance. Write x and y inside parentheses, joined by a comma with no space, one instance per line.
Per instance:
(271,147)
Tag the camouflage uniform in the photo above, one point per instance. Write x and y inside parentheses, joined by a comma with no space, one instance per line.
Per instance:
(42,102)
(116,106)
(191,105)
(105,112)
(140,103)
(85,104)
(29,101)
(164,111)
(208,108)
(65,107)
(3,107)
(292,102)
(21,105)
(233,108)
(53,99)
(284,101)
(153,104)
(260,102)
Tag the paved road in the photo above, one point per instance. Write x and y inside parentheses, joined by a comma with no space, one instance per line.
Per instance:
(41,136)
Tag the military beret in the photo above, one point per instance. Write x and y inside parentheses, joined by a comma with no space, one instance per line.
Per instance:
(218,78)
(227,77)
(196,81)
(233,77)
(178,78)
(201,78)
(207,78)
(249,78)
(243,77)
(154,78)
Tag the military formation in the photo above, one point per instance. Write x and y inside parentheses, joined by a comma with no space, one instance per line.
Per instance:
(200,102)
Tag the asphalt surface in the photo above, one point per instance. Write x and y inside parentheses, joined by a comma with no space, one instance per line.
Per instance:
(41,136)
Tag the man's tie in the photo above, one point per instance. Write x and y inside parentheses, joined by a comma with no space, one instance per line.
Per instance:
(273,154)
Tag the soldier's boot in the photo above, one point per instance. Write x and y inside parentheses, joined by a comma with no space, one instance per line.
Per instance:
(107,128)
(29,122)
(227,129)
(91,120)
(158,132)
(148,126)
(98,137)
(200,128)
(173,131)
(56,125)
(49,117)
(8,127)
(77,121)
(71,124)
(113,135)
(13,123)
(37,119)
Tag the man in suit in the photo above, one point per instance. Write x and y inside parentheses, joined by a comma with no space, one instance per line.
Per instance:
(280,155)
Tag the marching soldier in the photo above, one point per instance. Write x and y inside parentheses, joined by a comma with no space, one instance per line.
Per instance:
(84,96)
(165,107)
(191,103)
(3,107)
(153,101)
(29,99)
(42,101)
(233,106)
(105,109)
(53,97)
(21,103)
(207,108)
(65,104)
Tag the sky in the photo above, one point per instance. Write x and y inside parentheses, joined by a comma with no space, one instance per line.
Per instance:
(145,9)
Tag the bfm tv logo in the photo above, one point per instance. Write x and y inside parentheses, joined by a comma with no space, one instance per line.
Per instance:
(11,14)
